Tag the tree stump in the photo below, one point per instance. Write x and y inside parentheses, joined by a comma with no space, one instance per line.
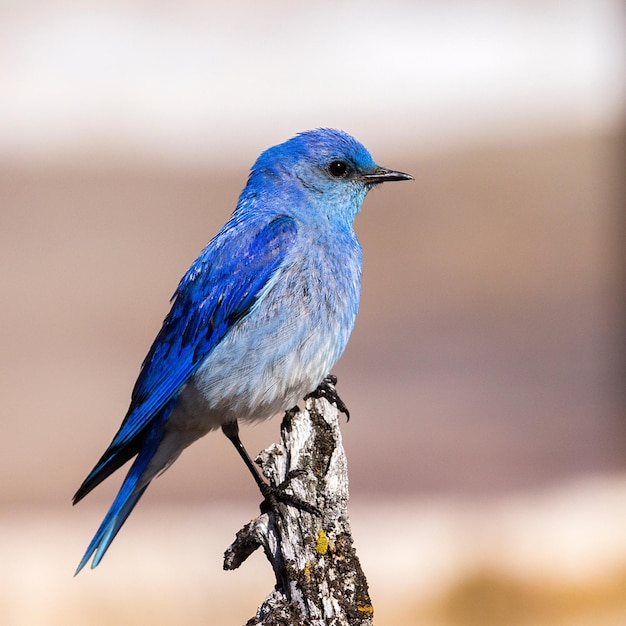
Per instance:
(319,580)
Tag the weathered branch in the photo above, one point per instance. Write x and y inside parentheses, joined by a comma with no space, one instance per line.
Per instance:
(319,580)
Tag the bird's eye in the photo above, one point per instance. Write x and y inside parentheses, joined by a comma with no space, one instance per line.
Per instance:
(338,169)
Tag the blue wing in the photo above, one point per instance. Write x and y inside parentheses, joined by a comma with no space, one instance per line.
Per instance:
(220,288)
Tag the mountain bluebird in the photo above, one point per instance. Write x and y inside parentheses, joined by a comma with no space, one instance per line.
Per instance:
(258,319)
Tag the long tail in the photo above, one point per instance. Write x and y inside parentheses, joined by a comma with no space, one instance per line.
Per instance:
(133,487)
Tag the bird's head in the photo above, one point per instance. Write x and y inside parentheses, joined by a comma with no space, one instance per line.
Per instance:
(331,169)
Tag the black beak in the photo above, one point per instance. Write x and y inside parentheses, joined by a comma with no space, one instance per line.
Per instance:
(382,175)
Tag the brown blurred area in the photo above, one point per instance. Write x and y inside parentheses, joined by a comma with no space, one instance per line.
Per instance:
(483,355)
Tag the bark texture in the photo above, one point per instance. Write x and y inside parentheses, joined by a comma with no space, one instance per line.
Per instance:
(319,580)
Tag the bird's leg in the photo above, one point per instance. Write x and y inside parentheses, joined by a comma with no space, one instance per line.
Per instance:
(326,389)
(272,495)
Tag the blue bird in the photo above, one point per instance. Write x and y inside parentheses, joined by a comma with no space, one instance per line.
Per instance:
(258,319)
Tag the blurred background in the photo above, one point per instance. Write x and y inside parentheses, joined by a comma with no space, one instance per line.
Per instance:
(487,445)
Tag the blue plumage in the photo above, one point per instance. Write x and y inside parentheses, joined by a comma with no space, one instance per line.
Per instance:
(258,319)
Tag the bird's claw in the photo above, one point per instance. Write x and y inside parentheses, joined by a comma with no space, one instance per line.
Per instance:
(326,389)
(274,494)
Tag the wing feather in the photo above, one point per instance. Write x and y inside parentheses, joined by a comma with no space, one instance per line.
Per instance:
(219,289)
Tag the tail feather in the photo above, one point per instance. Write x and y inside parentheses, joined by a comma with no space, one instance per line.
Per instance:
(133,487)
(125,447)
(111,461)
(109,528)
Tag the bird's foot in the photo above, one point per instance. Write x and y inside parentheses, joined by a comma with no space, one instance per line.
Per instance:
(326,389)
(274,494)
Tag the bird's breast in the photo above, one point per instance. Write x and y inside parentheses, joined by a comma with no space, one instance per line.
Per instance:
(288,342)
